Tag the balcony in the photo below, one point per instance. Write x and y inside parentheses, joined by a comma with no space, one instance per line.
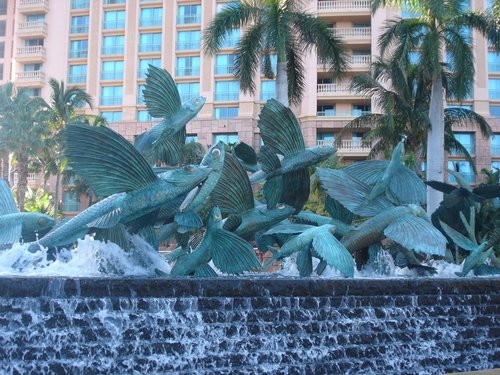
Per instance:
(34,179)
(191,71)
(32,29)
(188,45)
(33,6)
(189,19)
(224,69)
(337,7)
(349,146)
(339,89)
(34,78)
(334,113)
(30,53)
(353,34)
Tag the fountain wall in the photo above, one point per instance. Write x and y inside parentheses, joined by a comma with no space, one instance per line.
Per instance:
(248,326)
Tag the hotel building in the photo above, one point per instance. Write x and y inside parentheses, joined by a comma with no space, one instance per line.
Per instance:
(105,47)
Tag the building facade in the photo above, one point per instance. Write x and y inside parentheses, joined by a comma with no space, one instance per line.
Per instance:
(105,47)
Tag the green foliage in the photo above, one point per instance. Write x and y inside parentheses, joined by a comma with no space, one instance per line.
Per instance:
(39,201)
(192,153)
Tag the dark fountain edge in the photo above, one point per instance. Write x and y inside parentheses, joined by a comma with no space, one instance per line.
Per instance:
(66,287)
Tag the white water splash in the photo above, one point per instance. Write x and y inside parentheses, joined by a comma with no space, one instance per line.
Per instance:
(89,258)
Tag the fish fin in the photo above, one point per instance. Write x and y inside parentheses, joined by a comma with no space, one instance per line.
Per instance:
(337,211)
(107,162)
(205,271)
(280,129)
(369,172)
(406,187)
(298,186)
(320,268)
(160,93)
(175,254)
(441,186)
(246,153)
(486,270)
(304,263)
(288,228)
(188,219)
(272,190)
(232,254)
(350,192)
(232,222)
(328,248)
(270,161)
(233,192)
(108,220)
(166,231)
(149,235)
(168,147)
(417,234)
(475,259)
(116,234)
(7,202)
(458,238)
(487,191)
(10,234)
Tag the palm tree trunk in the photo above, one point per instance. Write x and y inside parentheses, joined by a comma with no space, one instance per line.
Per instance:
(4,161)
(56,195)
(282,83)
(22,180)
(435,144)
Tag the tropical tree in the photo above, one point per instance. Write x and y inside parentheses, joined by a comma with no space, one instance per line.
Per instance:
(403,93)
(278,27)
(22,131)
(439,32)
(64,103)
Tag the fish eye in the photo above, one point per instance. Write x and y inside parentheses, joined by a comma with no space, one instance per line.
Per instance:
(188,168)
(280,206)
(42,221)
(216,152)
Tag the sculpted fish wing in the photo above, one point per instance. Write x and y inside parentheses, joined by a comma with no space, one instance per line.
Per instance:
(406,187)
(160,93)
(10,232)
(367,171)
(107,162)
(7,203)
(232,254)
(333,252)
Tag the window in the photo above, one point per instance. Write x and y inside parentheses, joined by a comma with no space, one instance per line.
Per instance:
(188,90)
(112,116)
(224,64)
(140,95)
(108,2)
(77,73)
(467,140)
(80,4)
(267,90)
(188,14)
(78,49)
(462,166)
(151,17)
(326,110)
(231,39)
(222,6)
(190,138)
(495,110)
(32,67)
(357,140)
(113,45)
(111,95)
(2,50)
(495,165)
(188,66)
(150,42)
(493,61)
(71,201)
(274,64)
(143,115)
(227,138)
(112,70)
(79,24)
(144,64)
(227,91)
(226,112)
(1,71)
(325,138)
(2,28)
(469,107)
(3,7)
(495,144)
(114,20)
(32,91)
(40,17)
(188,40)
(360,109)
(414,57)
(494,88)
(33,42)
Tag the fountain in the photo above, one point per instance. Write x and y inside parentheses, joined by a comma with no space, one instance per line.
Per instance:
(348,298)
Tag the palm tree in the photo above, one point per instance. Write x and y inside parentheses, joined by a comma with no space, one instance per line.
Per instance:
(275,27)
(22,131)
(64,103)
(439,30)
(402,92)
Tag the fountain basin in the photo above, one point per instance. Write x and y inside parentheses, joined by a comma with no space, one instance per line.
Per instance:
(263,325)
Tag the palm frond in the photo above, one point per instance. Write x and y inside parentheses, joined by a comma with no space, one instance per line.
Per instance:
(452,145)
(295,73)
(463,117)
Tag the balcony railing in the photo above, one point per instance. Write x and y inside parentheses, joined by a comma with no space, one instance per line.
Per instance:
(33,5)
(34,75)
(227,96)
(334,88)
(115,24)
(30,51)
(224,69)
(344,4)
(110,2)
(112,50)
(188,71)
(150,22)
(348,145)
(334,113)
(112,76)
(188,45)
(32,27)
(358,60)
(150,47)
(352,32)
(111,100)
(77,78)
(80,4)
(230,42)
(189,19)
(33,179)
(79,29)
(78,54)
